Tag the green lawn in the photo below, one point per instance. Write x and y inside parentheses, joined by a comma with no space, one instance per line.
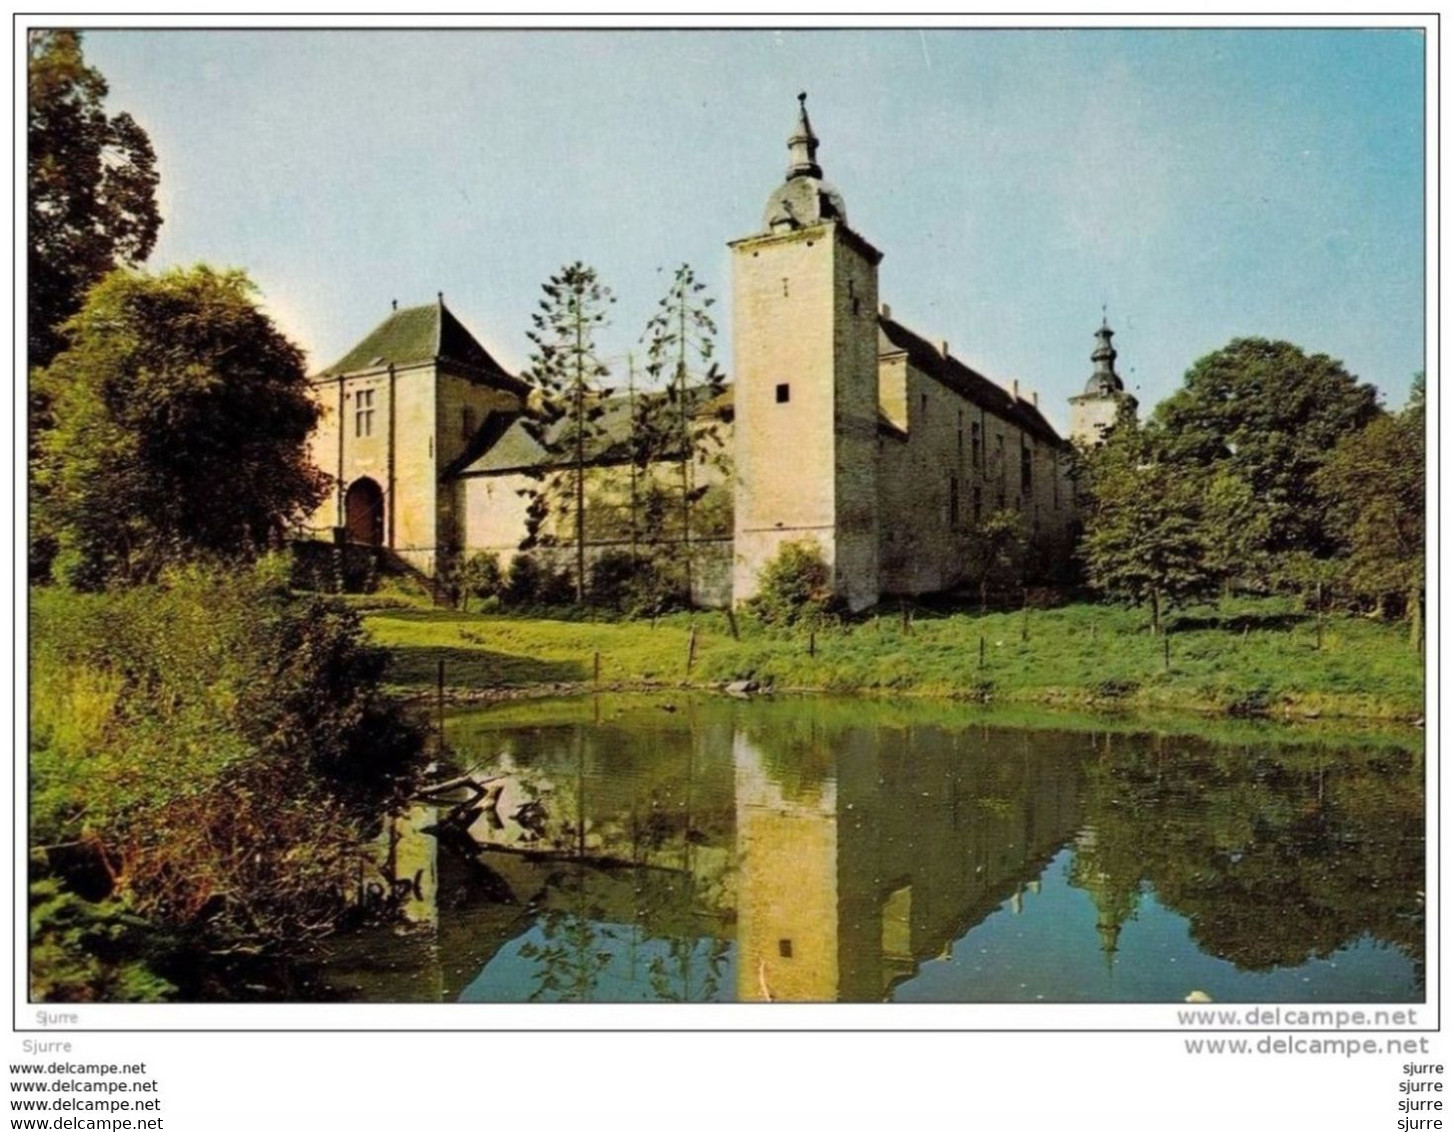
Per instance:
(1247,657)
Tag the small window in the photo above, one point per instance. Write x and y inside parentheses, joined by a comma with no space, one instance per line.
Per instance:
(784,287)
(923,404)
(784,393)
(953,501)
(974,441)
(784,948)
(363,413)
(1026,468)
(857,306)
(978,504)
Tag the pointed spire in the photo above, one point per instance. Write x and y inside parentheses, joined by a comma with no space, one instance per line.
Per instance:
(802,145)
(1104,379)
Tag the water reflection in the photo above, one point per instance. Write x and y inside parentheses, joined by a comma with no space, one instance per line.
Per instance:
(820,851)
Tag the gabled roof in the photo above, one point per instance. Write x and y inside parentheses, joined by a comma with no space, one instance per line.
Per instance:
(504,443)
(421,334)
(894,337)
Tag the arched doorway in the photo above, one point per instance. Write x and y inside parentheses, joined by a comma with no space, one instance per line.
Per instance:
(363,510)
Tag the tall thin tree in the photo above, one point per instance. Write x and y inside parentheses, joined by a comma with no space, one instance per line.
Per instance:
(565,413)
(681,338)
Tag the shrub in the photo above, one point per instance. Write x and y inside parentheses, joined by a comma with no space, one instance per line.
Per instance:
(522,583)
(795,588)
(216,747)
(481,577)
(636,585)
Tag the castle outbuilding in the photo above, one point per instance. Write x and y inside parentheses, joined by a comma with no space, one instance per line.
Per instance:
(844,428)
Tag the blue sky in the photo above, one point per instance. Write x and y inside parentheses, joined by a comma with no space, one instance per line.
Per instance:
(1202,184)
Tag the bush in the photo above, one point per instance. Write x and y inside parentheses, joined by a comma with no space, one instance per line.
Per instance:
(217,747)
(636,585)
(795,588)
(481,577)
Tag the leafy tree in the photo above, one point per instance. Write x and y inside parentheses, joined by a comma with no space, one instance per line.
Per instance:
(566,412)
(91,184)
(1237,530)
(996,550)
(682,339)
(1371,488)
(181,423)
(1144,535)
(1270,414)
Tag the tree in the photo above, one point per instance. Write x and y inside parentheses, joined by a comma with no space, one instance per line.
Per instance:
(681,338)
(997,550)
(181,424)
(91,180)
(1269,413)
(566,412)
(1371,488)
(1144,535)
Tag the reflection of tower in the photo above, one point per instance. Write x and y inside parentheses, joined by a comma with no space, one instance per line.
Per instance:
(1114,899)
(787,895)
(1096,409)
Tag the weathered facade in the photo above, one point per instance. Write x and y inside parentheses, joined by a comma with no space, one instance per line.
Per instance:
(843,428)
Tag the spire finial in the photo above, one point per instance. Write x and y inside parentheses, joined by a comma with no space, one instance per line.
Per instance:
(802,145)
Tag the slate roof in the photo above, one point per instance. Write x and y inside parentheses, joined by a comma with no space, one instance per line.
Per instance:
(422,334)
(504,444)
(894,337)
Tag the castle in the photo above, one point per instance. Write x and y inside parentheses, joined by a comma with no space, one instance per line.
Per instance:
(844,428)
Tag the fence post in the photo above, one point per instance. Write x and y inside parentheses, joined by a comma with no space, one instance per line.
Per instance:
(812,642)
(1166,638)
(981,650)
(597,668)
(691,648)
(441,703)
(732,622)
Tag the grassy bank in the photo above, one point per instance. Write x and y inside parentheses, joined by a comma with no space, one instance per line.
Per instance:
(1244,657)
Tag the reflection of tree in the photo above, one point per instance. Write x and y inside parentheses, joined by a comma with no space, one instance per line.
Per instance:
(1275,855)
(577,947)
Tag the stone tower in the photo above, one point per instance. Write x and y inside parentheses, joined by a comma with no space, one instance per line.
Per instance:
(805,350)
(1095,410)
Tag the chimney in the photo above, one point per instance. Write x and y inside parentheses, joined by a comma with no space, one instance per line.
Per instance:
(1014,388)
(886,310)
(943,346)
(1035,398)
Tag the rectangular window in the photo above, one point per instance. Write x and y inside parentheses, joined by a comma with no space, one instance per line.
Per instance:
(363,413)
(978,504)
(1026,467)
(953,501)
(974,442)
(784,393)
(961,436)
(1003,471)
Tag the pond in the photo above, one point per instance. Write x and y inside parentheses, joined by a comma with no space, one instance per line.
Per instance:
(693,848)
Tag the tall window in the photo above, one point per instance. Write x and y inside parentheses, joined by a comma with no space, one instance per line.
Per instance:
(974,439)
(999,457)
(953,501)
(1026,467)
(978,504)
(363,413)
(961,436)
